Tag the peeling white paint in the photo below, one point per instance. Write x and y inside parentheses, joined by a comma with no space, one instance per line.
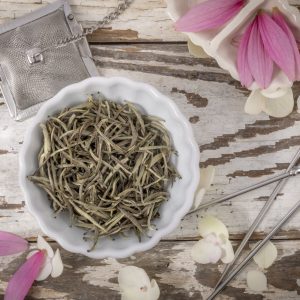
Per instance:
(3,285)
(45,293)
(278,294)
(6,260)
(181,262)
(101,275)
(225,102)
(288,251)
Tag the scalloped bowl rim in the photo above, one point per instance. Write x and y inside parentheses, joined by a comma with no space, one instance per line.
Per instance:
(189,192)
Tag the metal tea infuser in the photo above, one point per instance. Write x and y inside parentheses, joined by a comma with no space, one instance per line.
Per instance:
(44,51)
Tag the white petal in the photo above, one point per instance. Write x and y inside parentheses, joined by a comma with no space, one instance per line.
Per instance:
(210,224)
(196,50)
(46,270)
(57,265)
(266,256)
(135,284)
(198,197)
(222,238)
(43,245)
(229,253)
(131,295)
(140,295)
(213,239)
(31,253)
(257,281)
(206,177)
(132,277)
(255,103)
(205,252)
(273,94)
(281,106)
(154,291)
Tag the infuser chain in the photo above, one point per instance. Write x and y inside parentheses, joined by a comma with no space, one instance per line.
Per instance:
(35,56)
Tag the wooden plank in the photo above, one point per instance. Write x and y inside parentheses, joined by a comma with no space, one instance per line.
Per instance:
(178,276)
(245,149)
(135,25)
(144,21)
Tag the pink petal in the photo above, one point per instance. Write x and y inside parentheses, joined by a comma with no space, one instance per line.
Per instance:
(11,243)
(21,282)
(236,40)
(208,15)
(280,20)
(277,44)
(242,60)
(260,63)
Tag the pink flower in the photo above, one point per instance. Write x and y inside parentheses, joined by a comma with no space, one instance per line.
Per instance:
(39,265)
(209,14)
(52,263)
(280,20)
(11,244)
(23,279)
(246,77)
(267,43)
(259,62)
(277,44)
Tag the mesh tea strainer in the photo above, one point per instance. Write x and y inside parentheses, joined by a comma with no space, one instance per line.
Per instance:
(42,52)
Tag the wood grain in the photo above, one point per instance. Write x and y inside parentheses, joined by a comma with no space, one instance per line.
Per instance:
(245,149)
(145,21)
(142,45)
(178,276)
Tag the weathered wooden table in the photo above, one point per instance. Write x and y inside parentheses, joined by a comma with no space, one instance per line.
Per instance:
(142,45)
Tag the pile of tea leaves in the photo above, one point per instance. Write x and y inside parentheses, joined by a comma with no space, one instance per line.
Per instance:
(108,165)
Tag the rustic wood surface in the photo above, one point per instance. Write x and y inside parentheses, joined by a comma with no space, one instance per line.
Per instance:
(143,46)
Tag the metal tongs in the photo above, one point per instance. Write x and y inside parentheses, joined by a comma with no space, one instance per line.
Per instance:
(229,273)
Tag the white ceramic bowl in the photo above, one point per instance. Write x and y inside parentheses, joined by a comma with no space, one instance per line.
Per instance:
(182,192)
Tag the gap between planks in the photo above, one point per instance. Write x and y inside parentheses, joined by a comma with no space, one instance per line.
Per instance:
(256,239)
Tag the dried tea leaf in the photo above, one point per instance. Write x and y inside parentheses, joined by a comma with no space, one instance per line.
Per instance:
(108,165)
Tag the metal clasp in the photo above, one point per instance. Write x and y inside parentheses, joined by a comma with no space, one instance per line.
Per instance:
(35,56)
